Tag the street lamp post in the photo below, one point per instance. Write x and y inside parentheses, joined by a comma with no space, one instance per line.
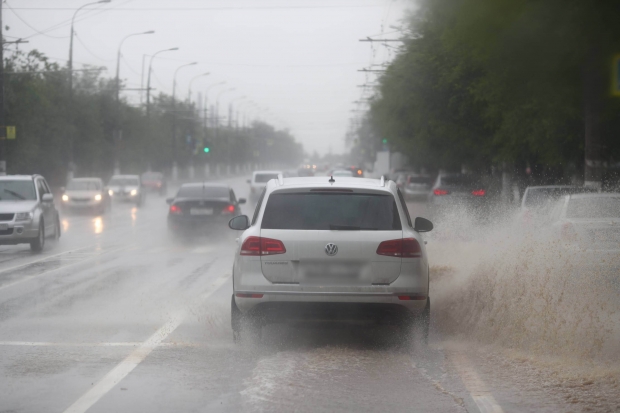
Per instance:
(71,164)
(175,170)
(207,102)
(71,40)
(189,89)
(117,132)
(148,82)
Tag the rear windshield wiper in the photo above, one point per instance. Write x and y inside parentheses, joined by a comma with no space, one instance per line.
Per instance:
(349,228)
(18,195)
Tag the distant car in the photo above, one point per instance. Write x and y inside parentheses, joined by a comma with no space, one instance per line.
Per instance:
(306,170)
(259,181)
(538,200)
(458,192)
(417,187)
(356,171)
(27,211)
(588,221)
(86,194)
(338,251)
(126,188)
(200,205)
(341,173)
(154,182)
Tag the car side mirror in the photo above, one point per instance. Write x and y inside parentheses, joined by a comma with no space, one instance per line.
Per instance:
(239,223)
(249,181)
(47,198)
(169,201)
(422,225)
(242,201)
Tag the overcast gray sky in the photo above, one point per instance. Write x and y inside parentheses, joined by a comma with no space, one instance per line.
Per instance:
(298,58)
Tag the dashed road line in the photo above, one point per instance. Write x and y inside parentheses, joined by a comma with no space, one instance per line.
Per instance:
(78,344)
(477,388)
(132,361)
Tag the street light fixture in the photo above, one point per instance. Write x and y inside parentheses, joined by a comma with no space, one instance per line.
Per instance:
(174,119)
(174,79)
(148,82)
(189,91)
(118,60)
(71,39)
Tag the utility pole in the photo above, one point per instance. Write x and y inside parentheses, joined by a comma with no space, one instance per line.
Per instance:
(593,103)
(2,118)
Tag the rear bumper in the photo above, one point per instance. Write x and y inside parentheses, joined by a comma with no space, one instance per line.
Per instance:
(196,222)
(380,313)
(310,305)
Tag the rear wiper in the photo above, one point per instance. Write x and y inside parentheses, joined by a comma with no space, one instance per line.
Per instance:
(20,196)
(349,228)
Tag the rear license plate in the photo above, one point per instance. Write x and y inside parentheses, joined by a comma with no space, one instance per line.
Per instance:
(4,227)
(201,211)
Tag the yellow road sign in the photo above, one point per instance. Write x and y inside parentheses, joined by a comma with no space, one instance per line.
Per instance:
(10,132)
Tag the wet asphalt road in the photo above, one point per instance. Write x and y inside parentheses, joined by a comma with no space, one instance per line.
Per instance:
(117,316)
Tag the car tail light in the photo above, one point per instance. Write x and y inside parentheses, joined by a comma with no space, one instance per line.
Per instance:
(404,248)
(479,192)
(440,192)
(175,210)
(230,209)
(248,295)
(413,297)
(262,246)
(359,171)
(568,232)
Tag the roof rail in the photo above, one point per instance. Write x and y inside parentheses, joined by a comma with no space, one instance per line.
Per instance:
(280,180)
(382,181)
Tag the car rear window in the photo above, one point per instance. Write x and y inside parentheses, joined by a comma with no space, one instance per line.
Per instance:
(331,211)
(203,192)
(593,208)
(264,178)
(460,180)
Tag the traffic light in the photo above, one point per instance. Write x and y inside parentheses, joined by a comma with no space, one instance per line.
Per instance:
(206,149)
(206,146)
(384,141)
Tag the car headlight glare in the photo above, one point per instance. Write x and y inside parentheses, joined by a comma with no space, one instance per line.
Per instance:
(65,198)
(134,192)
(110,192)
(24,216)
(98,197)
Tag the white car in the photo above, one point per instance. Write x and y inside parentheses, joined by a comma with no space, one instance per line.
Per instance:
(335,249)
(588,221)
(259,181)
(85,194)
(126,188)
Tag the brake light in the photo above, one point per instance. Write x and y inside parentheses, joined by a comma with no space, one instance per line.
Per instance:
(257,246)
(359,171)
(230,209)
(479,192)
(404,248)
(411,297)
(440,192)
(248,295)
(175,210)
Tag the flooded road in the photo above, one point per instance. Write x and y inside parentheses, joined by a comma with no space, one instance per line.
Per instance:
(120,316)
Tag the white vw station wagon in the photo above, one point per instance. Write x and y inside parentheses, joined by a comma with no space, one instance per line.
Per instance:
(330,249)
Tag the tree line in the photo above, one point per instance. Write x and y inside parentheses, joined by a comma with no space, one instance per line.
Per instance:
(480,84)
(88,130)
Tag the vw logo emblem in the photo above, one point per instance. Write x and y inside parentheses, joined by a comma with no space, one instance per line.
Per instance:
(331,249)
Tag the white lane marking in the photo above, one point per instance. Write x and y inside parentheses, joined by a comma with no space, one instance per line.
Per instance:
(477,388)
(47,257)
(78,344)
(93,255)
(126,366)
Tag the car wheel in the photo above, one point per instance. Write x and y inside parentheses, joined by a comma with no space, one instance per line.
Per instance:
(424,322)
(38,244)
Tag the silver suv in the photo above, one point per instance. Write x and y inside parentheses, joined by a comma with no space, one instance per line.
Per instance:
(27,211)
(330,249)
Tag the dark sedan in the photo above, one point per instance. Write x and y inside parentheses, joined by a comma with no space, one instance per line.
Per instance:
(200,205)
(458,193)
